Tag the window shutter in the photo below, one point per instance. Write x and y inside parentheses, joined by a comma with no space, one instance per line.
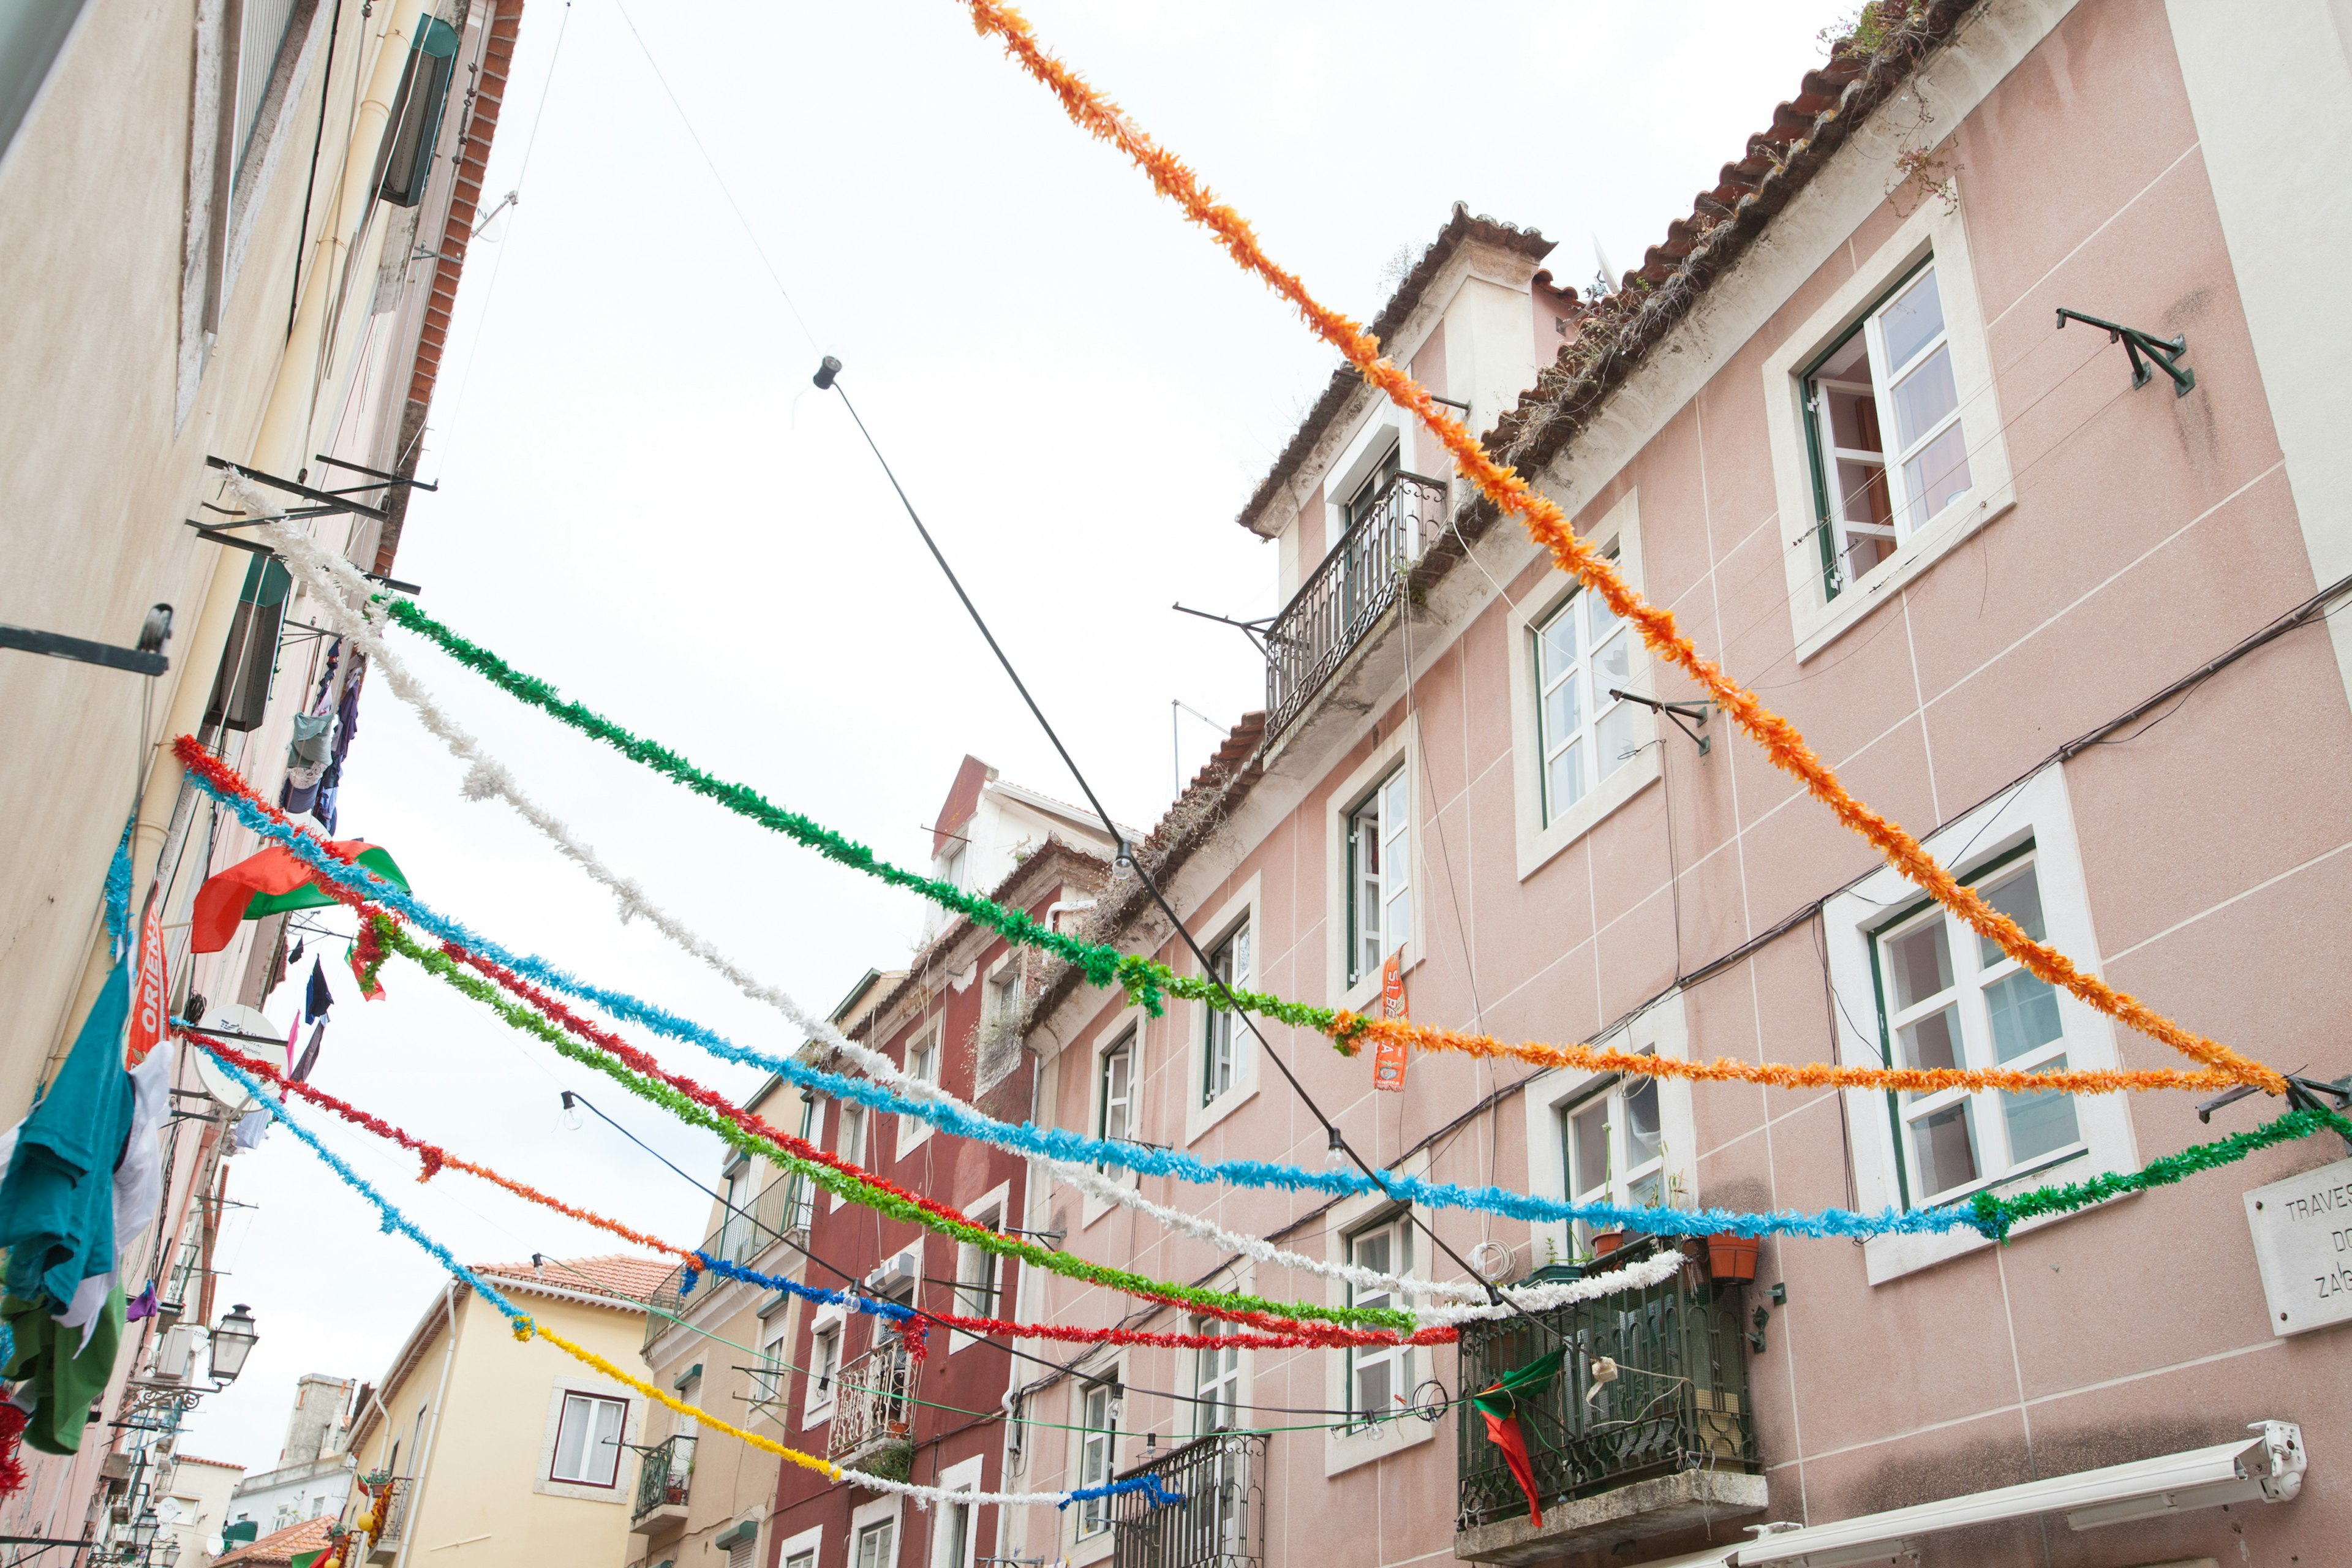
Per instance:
(406,157)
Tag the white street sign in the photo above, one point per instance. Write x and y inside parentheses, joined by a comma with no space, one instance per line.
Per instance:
(2303,1239)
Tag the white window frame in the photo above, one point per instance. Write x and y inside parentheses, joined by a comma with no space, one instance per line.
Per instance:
(1938,230)
(1096,1452)
(1345,1445)
(769,1383)
(1603,1118)
(1581,628)
(1115,1094)
(989,1210)
(1400,752)
(799,1199)
(1396,1230)
(1217,1376)
(885,1509)
(1550,1095)
(809,1542)
(852,1133)
(1200,1114)
(820,1385)
(924,1061)
(2036,811)
(632,1429)
(1543,833)
(962,1477)
(1379,829)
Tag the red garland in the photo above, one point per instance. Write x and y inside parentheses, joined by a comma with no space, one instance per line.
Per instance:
(12,1456)
(1280,1333)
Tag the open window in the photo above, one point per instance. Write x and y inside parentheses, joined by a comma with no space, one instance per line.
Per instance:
(1216,1380)
(1097,1443)
(1229,962)
(1115,1096)
(1884,429)
(1380,874)
(1613,1148)
(405,162)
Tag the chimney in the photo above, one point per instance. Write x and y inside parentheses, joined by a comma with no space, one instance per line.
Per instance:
(315,1426)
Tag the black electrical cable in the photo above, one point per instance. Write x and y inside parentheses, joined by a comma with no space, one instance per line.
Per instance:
(828,378)
(573,1097)
(302,236)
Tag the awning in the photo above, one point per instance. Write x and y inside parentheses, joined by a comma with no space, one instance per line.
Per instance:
(2267,1469)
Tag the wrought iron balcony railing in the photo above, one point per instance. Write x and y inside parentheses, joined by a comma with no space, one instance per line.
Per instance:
(1678,1402)
(665,1475)
(783,1205)
(1221,1523)
(873,1401)
(1342,598)
(384,1544)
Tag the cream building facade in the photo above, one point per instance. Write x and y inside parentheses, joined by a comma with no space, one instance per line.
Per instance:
(497,1452)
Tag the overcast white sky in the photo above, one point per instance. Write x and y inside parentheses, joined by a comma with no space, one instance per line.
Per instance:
(644,500)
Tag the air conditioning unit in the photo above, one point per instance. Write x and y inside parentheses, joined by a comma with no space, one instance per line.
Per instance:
(897,1272)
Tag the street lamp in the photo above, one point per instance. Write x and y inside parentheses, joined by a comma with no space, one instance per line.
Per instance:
(232,1342)
(143,1534)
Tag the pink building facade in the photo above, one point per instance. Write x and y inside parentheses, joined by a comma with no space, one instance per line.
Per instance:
(1833,424)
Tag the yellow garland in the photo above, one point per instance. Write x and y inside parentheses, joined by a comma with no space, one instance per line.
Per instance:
(1550,527)
(526,1327)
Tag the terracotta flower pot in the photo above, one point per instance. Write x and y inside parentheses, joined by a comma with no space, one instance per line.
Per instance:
(1606,1242)
(1732,1258)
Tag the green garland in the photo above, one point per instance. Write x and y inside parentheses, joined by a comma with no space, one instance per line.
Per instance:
(531,1021)
(1144,980)
(1996,1215)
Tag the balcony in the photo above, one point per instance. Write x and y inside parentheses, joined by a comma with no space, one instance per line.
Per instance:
(873,1403)
(1345,597)
(784,1206)
(384,1544)
(1668,1445)
(1221,1523)
(665,1476)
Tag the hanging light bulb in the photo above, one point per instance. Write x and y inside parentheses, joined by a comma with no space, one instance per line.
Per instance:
(1337,1154)
(571,1119)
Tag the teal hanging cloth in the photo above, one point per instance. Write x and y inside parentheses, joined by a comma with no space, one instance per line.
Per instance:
(56,1200)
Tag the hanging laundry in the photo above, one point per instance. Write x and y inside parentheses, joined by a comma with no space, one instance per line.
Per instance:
(301,1073)
(295,956)
(271,883)
(62,1373)
(317,998)
(323,812)
(252,1125)
(143,1306)
(57,1199)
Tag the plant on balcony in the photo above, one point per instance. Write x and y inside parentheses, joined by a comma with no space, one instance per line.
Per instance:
(893,1461)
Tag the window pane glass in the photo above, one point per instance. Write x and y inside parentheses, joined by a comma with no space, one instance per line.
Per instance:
(1924,397)
(1610,667)
(2039,1123)
(1372,1387)
(572,1441)
(1938,476)
(1392,804)
(2024,1012)
(1588,1137)
(1911,320)
(605,1450)
(1371,1250)
(1943,1147)
(1920,962)
(1556,646)
(1562,712)
(1642,1137)
(1933,1042)
(1647,1193)
(1599,616)
(2018,898)
(1613,739)
(1567,779)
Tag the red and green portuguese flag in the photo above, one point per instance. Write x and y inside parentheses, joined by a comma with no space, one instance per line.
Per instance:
(269,883)
(1500,1405)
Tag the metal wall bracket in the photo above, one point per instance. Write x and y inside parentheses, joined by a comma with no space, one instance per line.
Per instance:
(1696,713)
(327,498)
(2164,352)
(147,659)
(1254,630)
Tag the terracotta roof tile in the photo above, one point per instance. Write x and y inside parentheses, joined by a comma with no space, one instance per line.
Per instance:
(281,1546)
(620,1274)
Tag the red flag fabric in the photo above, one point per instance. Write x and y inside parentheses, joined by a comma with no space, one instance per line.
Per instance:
(151,989)
(221,902)
(1504,1431)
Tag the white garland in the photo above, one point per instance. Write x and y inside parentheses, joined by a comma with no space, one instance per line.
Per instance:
(321,571)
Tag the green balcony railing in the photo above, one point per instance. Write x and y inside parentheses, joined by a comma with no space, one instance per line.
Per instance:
(784,1206)
(665,1475)
(1678,1402)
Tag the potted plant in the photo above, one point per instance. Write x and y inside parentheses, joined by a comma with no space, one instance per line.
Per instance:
(1732,1258)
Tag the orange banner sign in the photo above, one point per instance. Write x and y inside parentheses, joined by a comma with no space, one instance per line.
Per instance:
(152,989)
(1388,1062)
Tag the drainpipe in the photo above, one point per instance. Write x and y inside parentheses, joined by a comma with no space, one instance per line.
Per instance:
(432,1433)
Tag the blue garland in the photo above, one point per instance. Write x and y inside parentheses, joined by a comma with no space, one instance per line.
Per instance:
(117,892)
(394,1220)
(1060,1144)
(890,1311)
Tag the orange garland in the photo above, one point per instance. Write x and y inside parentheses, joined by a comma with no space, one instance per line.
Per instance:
(1784,1074)
(1550,528)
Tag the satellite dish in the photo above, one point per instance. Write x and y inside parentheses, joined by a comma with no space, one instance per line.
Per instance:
(231,1018)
